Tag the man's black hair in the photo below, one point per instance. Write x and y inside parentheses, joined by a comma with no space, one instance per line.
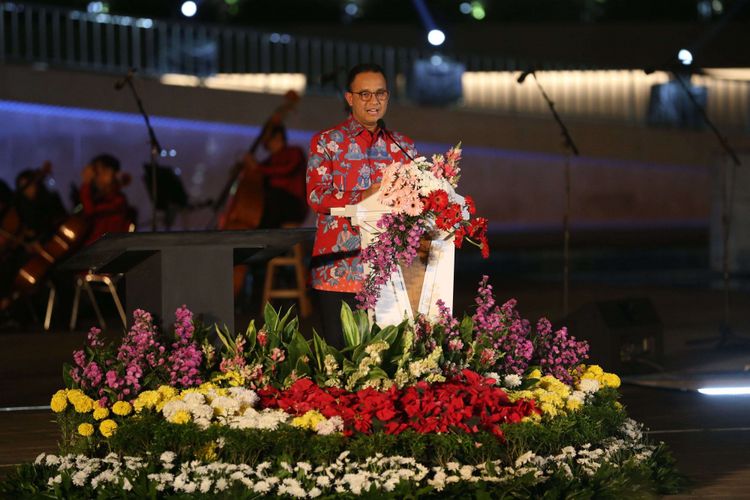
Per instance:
(106,160)
(363,68)
(277,129)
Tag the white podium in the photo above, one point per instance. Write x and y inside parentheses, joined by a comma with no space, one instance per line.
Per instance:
(396,299)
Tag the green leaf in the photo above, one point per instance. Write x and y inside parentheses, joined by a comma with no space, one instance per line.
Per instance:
(466,329)
(349,325)
(225,337)
(320,350)
(271,318)
(251,334)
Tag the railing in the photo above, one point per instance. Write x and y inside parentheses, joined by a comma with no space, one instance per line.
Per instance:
(108,43)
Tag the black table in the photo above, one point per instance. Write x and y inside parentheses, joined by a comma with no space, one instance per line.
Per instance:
(165,270)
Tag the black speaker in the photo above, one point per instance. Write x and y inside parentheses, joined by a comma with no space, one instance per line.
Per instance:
(621,333)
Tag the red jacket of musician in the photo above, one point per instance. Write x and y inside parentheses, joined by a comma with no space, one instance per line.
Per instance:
(106,213)
(285,170)
(343,162)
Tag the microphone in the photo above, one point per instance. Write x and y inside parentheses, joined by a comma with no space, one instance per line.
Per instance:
(381,126)
(119,84)
(525,74)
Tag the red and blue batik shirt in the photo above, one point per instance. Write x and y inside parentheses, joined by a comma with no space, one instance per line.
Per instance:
(343,162)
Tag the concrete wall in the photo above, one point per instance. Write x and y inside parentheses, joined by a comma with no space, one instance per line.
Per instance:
(513,166)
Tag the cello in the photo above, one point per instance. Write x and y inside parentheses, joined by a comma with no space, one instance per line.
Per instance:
(243,192)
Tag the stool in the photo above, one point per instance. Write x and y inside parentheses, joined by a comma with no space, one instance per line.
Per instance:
(294,259)
(108,282)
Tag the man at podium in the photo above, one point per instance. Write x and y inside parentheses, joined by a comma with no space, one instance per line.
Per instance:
(344,167)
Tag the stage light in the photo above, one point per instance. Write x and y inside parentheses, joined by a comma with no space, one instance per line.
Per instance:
(436,37)
(351,9)
(685,57)
(189,8)
(97,7)
(465,8)
(725,391)
(477,11)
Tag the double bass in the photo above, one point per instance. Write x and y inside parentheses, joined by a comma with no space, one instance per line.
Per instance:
(243,192)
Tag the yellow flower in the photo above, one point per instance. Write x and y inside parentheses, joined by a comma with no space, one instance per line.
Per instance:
(534,418)
(535,373)
(167,392)
(85,429)
(107,427)
(100,413)
(83,404)
(610,380)
(180,417)
(74,395)
(146,400)
(59,401)
(122,408)
(309,420)
(573,404)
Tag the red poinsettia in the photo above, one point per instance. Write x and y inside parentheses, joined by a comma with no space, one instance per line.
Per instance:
(468,403)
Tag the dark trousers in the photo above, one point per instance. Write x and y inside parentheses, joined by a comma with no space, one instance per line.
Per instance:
(329,305)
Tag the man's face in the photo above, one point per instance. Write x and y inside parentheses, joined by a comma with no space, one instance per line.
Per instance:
(105,176)
(368,112)
(275,143)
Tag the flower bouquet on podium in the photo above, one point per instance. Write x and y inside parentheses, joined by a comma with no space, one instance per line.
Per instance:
(424,206)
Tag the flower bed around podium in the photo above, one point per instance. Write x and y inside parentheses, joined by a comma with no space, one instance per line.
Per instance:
(483,406)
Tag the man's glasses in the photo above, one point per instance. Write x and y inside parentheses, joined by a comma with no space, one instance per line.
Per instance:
(366,95)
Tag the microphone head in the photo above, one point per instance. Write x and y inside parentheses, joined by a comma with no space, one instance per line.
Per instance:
(524,75)
(381,124)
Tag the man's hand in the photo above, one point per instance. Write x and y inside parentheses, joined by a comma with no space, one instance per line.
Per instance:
(374,188)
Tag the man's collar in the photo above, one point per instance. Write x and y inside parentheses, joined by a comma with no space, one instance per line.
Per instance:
(355,128)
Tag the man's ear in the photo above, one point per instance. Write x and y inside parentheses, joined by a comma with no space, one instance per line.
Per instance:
(349,98)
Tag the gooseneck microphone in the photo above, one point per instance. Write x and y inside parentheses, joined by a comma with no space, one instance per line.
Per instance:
(381,125)
(525,74)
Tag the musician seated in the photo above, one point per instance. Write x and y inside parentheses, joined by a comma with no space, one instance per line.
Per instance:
(39,209)
(102,199)
(285,198)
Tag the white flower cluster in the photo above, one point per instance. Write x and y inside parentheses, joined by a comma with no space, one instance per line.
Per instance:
(344,476)
(233,407)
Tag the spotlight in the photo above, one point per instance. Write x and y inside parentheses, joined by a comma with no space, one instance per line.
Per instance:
(725,391)
(435,37)
(685,57)
(351,9)
(465,8)
(189,8)
(477,11)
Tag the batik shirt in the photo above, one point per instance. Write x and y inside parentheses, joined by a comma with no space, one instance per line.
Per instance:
(343,162)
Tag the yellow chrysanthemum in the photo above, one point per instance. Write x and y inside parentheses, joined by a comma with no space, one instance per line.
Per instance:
(232,377)
(108,427)
(309,420)
(534,417)
(100,413)
(180,417)
(83,404)
(59,401)
(167,392)
(85,429)
(535,374)
(573,404)
(122,408)
(146,400)
(610,380)
(74,395)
